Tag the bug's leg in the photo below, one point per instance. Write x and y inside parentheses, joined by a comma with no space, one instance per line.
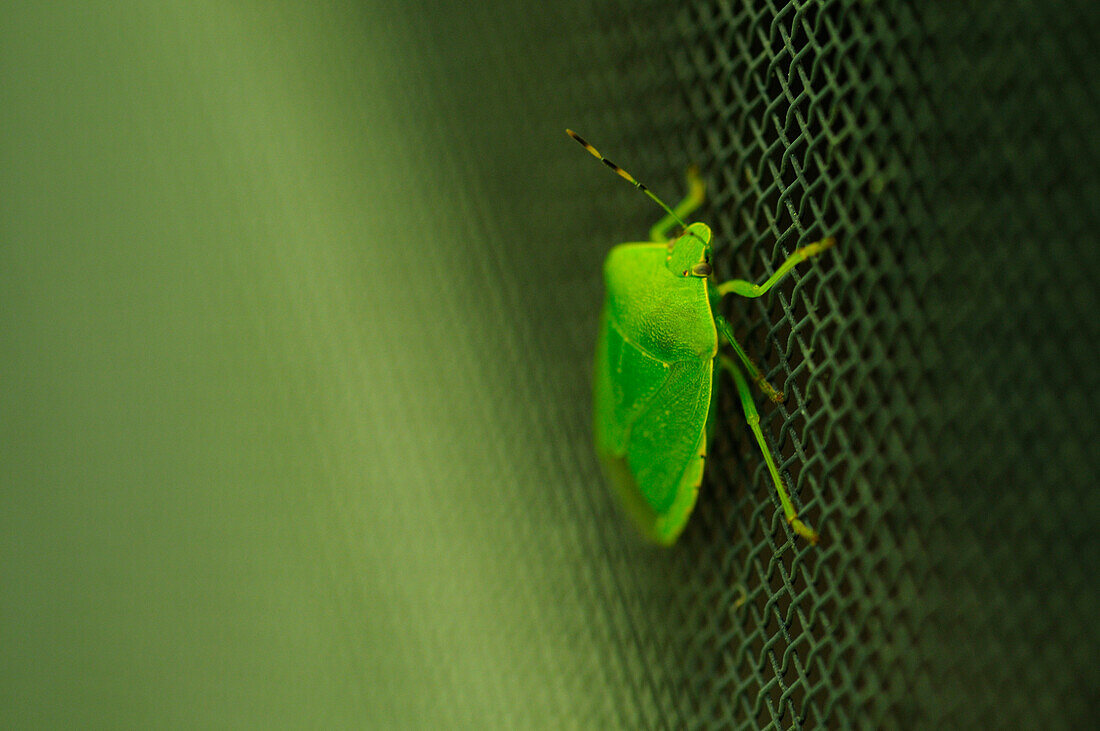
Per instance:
(753,419)
(743,596)
(748,289)
(661,231)
(754,372)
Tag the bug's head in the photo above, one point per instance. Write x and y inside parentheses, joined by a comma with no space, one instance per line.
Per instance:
(689,255)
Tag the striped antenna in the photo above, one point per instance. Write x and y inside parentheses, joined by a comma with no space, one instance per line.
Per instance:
(624,175)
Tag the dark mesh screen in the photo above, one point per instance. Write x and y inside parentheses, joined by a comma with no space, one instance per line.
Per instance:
(940,363)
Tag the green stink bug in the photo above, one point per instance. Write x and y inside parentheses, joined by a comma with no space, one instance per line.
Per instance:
(657,364)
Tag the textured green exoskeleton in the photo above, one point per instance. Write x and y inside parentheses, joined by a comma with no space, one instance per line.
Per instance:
(657,364)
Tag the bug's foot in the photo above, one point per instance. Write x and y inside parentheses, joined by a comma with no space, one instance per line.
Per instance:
(769,390)
(804,530)
(815,248)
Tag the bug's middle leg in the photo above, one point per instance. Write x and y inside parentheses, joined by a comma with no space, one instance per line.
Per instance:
(660,233)
(752,417)
(754,372)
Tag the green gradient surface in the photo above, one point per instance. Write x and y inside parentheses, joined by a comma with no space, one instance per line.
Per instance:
(260,447)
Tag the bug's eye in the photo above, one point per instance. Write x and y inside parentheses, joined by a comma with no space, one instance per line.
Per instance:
(702,269)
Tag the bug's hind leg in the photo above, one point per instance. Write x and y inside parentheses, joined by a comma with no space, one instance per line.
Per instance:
(754,372)
(697,189)
(753,419)
(748,289)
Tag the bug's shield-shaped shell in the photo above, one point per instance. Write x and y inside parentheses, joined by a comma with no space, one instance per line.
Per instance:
(653,388)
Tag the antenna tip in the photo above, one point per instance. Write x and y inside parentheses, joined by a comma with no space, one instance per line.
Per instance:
(583,143)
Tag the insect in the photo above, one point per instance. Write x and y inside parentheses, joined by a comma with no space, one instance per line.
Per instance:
(658,362)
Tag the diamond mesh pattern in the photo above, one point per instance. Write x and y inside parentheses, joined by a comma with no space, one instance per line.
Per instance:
(939,364)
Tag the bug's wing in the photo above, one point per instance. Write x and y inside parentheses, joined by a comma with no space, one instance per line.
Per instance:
(649,425)
(626,379)
(664,440)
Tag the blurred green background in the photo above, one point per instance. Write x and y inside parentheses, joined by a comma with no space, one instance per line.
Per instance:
(297,307)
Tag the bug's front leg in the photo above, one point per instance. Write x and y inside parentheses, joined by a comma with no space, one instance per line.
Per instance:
(748,289)
(697,190)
